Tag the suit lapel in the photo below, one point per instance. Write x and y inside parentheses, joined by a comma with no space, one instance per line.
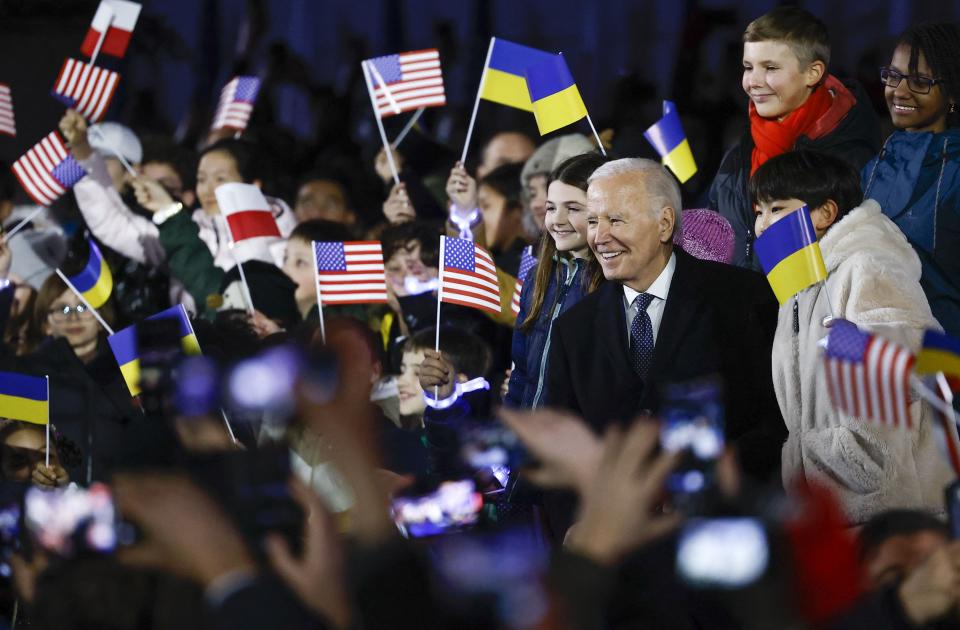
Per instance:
(679,313)
(611,327)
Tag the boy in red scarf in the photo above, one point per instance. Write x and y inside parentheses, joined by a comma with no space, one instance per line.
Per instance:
(794,103)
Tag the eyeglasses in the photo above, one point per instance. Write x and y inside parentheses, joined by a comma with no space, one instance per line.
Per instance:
(917,84)
(61,314)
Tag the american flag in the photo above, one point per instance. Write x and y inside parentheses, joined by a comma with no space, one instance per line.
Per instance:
(47,170)
(406,81)
(351,272)
(468,276)
(85,88)
(7,124)
(527,262)
(236,103)
(868,376)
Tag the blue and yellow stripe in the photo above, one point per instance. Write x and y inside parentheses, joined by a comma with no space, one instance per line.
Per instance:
(940,353)
(790,255)
(24,397)
(94,282)
(668,138)
(505,75)
(125,350)
(554,94)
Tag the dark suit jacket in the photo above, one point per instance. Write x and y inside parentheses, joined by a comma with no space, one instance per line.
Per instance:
(718,319)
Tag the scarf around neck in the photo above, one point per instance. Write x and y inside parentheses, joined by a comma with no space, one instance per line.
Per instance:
(771,137)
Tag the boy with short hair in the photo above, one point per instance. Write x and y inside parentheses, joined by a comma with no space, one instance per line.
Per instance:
(794,103)
(873,281)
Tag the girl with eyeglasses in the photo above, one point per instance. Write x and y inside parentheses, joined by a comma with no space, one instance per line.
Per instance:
(916,176)
(60,313)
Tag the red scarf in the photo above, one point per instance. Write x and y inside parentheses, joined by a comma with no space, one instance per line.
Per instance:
(771,137)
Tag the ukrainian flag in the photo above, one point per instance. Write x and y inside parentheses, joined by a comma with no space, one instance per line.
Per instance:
(790,254)
(95,282)
(124,345)
(940,353)
(504,77)
(24,397)
(667,137)
(556,99)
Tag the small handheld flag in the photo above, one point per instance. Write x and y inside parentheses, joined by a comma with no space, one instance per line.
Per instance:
(790,255)
(47,170)
(247,212)
(113,23)
(351,272)
(554,95)
(940,353)
(504,78)
(24,398)
(468,275)
(7,123)
(527,262)
(86,88)
(667,137)
(237,99)
(94,282)
(123,343)
(406,81)
(868,376)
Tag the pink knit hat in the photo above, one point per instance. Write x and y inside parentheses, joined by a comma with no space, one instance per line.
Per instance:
(706,235)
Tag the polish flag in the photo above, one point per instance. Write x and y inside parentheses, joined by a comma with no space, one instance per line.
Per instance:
(115,18)
(247,212)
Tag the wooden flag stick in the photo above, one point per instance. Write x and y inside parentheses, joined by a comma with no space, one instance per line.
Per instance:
(100,319)
(476,102)
(409,126)
(316,282)
(20,225)
(383,134)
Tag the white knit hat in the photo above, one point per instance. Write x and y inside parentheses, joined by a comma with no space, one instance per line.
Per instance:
(110,139)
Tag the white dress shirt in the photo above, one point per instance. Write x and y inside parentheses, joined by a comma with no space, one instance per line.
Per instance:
(659,290)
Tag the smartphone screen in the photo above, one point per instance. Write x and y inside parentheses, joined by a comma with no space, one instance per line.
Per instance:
(726,553)
(74,520)
(453,506)
(692,423)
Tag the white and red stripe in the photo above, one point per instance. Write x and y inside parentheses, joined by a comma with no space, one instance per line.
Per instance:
(114,21)
(7,123)
(247,212)
(876,388)
(468,276)
(85,88)
(406,81)
(47,170)
(351,272)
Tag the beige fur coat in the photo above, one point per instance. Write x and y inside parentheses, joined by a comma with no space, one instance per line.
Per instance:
(873,281)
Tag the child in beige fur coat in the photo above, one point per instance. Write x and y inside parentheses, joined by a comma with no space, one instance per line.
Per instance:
(873,281)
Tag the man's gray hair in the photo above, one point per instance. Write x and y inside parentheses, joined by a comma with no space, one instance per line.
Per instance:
(661,187)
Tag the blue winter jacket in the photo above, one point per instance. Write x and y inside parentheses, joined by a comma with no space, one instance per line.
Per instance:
(916,181)
(530,349)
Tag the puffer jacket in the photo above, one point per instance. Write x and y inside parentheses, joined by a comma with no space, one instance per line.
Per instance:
(873,281)
(849,130)
(529,350)
(916,181)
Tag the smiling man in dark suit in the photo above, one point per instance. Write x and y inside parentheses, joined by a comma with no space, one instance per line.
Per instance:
(664,317)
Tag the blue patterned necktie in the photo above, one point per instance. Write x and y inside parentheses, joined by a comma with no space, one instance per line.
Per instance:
(641,336)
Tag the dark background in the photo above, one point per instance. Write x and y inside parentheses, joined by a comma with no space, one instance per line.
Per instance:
(625,56)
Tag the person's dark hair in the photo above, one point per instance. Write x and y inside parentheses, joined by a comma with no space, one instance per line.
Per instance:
(802,31)
(468,354)
(892,523)
(940,45)
(399,236)
(52,288)
(69,453)
(321,230)
(244,154)
(505,181)
(162,150)
(574,171)
(810,176)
